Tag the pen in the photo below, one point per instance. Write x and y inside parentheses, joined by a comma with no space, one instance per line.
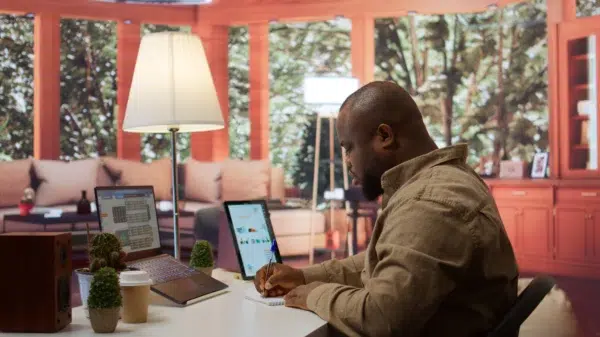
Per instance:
(273,248)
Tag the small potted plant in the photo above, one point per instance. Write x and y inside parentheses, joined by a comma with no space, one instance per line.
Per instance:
(105,251)
(104,301)
(202,257)
(27,201)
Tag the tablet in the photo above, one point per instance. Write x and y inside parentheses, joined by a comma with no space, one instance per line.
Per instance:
(252,234)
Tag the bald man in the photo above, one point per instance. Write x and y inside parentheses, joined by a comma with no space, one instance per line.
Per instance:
(439,262)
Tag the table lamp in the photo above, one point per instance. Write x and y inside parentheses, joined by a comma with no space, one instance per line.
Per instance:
(172,91)
(326,94)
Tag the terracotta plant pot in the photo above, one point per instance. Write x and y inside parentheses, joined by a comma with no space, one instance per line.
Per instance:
(104,320)
(205,270)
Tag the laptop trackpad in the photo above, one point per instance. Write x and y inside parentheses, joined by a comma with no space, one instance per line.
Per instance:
(189,288)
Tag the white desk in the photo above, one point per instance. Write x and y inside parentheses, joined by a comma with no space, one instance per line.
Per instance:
(228,314)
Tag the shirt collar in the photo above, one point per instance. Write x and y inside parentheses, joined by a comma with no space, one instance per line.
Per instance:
(394,178)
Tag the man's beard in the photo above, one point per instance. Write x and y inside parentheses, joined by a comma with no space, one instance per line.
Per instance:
(371,186)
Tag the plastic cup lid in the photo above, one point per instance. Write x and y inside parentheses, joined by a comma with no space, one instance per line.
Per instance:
(134,278)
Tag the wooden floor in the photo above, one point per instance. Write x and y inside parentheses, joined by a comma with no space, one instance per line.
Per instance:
(583,293)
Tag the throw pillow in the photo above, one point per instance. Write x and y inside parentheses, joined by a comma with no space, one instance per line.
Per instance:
(245,179)
(14,179)
(202,181)
(62,182)
(134,173)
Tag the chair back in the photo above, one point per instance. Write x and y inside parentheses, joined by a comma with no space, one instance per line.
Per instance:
(527,301)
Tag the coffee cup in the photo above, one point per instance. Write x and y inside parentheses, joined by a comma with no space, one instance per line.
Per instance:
(135,288)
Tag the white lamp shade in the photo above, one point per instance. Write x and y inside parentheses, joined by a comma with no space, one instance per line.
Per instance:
(328,90)
(172,87)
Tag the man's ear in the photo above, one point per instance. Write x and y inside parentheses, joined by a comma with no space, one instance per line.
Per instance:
(386,136)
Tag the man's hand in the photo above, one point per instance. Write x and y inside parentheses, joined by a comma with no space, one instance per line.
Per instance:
(297,298)
(282,279)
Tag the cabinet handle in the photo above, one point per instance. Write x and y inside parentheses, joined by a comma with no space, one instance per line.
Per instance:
(589,194)
(519,193)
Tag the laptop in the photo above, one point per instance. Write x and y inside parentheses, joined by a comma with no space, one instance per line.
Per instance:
(129,212)
(252,235)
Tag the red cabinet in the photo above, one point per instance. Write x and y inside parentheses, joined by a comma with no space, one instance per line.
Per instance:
(554,228)
(578,122)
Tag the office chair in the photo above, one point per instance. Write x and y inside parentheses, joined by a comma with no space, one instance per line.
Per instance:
(527,301)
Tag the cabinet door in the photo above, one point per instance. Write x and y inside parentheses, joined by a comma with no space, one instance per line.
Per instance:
(594,235)
(570,233)
(535,239)
(509,216)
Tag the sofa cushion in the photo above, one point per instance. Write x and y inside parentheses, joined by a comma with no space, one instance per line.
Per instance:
(554,316)
(296,221)
(202,181)
(134,173)
(62,182)
(14,179)
(245,179)
(194,206)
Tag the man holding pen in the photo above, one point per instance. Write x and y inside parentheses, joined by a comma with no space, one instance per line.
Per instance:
(439,262)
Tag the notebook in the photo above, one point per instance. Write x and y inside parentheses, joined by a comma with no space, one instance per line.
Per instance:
(253,295)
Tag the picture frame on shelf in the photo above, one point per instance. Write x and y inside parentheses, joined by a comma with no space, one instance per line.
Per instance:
(539,166)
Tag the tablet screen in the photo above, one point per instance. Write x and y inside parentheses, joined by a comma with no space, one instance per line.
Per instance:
(252,236)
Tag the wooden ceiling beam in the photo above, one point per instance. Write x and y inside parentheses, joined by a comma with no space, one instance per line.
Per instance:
(94,10)
(241,12)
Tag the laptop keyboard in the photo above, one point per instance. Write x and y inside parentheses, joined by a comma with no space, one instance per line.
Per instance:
(163,269)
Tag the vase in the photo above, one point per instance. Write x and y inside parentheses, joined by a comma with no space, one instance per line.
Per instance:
(104,320)
(25,208)
(84,206)
(85,280)
(206,270)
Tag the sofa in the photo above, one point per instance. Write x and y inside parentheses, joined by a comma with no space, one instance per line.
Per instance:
(203,185)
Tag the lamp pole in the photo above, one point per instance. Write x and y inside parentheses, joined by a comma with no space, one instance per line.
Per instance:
(174,176)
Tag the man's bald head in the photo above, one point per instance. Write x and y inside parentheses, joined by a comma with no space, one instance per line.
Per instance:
(382,102)
(380,126)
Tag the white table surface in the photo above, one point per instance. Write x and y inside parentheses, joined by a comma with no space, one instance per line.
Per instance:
(228,314)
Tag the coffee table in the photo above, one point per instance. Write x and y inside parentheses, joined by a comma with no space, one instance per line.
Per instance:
(76,222)
(77,225)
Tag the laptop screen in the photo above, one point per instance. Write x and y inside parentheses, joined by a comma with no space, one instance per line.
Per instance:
(129,213)
(251,235)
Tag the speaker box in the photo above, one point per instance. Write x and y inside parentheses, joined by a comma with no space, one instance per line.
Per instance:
(35,282)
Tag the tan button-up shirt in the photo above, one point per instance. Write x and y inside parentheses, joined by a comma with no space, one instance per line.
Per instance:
(439,262)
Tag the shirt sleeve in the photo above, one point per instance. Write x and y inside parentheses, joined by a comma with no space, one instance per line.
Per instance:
(423,245)
(346,271)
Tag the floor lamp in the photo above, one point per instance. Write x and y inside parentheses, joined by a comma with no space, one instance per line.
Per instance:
(325,94)
(172,91)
